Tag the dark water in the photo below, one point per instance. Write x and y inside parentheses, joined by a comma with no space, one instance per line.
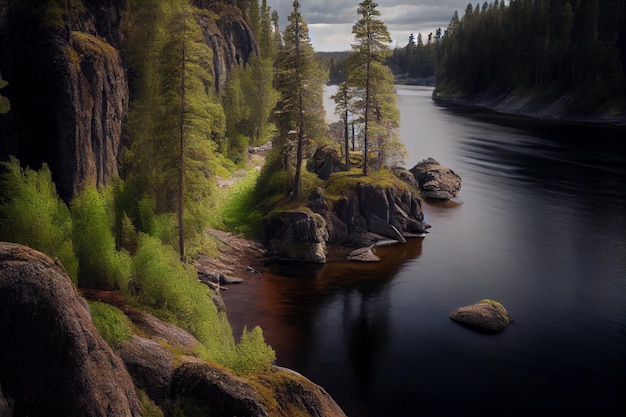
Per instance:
(541,228)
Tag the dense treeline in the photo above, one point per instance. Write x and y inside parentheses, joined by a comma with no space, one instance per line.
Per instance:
(418,58)
(336,65)
(553,45)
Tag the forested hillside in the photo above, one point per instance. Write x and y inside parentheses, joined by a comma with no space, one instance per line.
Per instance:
(550,47)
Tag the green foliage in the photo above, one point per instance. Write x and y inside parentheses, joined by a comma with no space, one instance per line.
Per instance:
(111,322)
(32,214)
(176,121)
(148,407)
(170,289)
(374,93)
(238,213)
(574,47)
(253,354)
(272,183)
(341,184)
(100,265)
(418,58)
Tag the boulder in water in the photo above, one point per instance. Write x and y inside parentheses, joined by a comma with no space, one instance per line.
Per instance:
(436,181)
(486,315)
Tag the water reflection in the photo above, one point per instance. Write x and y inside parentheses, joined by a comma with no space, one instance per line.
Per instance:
(293,302)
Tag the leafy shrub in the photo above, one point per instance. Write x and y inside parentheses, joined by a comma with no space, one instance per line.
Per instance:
(253,354)
(100,265)
(170,289)
(32,214)
(111,322)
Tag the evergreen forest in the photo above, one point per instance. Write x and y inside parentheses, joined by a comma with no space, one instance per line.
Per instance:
(548,47)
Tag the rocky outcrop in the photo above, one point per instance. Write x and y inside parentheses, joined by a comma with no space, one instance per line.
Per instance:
(217,390)
(368,215)
(435,181)
(485,315)
(371,213)
(53,362)
(69,94)
(228,35)
(325,161)
(221,393)
(363,255)
(68,84)
(52,359)
(298,235)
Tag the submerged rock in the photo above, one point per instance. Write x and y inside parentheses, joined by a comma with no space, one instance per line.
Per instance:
(363,255)
(486,315)
(436,181)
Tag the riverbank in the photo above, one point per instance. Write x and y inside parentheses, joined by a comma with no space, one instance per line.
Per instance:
(562,109)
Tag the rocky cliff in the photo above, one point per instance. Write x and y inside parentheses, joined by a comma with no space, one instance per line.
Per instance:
(68,83)
(362,216)
(53,362)
(68,90)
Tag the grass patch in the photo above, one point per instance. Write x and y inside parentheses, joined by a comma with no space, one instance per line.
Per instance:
(111,322)
(340,184)
(238,213)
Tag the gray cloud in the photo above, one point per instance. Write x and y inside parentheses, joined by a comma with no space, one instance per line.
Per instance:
(330,21)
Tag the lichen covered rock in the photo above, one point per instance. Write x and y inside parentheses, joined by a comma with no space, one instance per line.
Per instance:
(486,314)
(436,181)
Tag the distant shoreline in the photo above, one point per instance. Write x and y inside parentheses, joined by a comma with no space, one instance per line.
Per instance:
(558,112)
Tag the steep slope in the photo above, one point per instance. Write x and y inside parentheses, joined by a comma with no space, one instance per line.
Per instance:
(68,82)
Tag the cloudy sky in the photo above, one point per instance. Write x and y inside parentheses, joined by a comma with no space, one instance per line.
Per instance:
(330,21)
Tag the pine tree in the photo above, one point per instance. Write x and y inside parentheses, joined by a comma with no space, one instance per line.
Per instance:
(373,82)
(177,120)
(300,82)
(343,100)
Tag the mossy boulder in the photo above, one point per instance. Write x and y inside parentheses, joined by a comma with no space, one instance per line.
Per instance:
(487,315)
(435,181)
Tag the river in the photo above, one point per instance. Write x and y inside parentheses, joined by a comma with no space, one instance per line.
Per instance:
(540,226)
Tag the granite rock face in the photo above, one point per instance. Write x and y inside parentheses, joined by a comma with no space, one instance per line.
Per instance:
(296,236)
(69,86)
(53,361)
(436,181)
(69,93)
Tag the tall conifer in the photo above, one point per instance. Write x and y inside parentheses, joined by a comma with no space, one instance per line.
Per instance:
(373,82)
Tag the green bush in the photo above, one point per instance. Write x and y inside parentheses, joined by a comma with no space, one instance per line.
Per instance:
(253,354)
(32,214)
(148,407)
(111,322)
(170,290)
(100,265)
